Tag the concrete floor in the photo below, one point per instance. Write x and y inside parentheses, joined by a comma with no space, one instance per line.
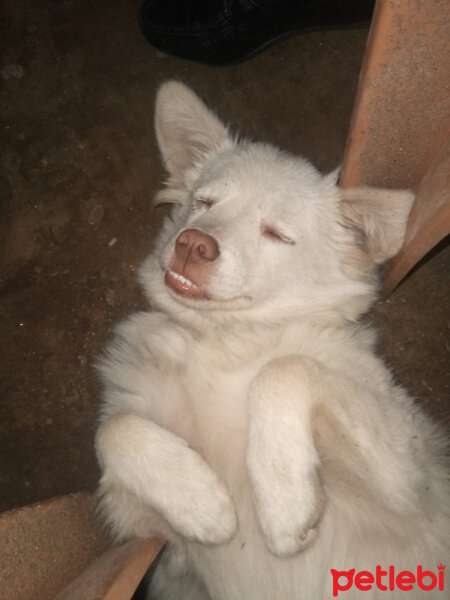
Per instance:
(80,167)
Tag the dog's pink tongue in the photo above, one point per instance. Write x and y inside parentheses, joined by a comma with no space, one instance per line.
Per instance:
(187,289)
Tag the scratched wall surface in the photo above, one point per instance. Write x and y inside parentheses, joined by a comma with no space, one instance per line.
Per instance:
(402,114)
(400,129)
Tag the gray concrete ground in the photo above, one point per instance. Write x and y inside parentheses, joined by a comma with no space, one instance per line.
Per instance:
(79,168)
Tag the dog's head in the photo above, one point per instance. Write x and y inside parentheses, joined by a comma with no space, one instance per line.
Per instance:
(255,229)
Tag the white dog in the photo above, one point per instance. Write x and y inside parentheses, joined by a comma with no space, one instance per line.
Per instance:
(246,418)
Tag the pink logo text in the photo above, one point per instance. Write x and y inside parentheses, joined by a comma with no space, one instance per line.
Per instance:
(388,580)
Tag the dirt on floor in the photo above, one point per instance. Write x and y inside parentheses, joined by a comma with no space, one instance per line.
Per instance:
(79,169)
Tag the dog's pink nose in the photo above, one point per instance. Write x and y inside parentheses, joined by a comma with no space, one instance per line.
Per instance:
(193,245)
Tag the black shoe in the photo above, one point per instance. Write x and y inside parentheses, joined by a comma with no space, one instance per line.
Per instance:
(221,32)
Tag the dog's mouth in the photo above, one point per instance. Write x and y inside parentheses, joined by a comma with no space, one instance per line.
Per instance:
(183,286)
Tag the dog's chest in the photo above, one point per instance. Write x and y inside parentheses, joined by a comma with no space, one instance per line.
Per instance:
(217,393)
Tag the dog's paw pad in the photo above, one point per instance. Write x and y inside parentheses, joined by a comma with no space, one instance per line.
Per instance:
(289,544)
(307,537)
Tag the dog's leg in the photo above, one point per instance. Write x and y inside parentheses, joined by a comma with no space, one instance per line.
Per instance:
(160,469)
(172,578)
(282,460)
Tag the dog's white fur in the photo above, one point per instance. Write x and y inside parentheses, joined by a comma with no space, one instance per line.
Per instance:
(255,428)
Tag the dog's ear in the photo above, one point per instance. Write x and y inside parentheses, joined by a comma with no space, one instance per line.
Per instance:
(186,130)
(380,216)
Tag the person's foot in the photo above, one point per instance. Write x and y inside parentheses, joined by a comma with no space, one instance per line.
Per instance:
(225,31)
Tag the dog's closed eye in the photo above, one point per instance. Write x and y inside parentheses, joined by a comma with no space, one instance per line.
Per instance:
(276,235)
(202,204)
(205,202)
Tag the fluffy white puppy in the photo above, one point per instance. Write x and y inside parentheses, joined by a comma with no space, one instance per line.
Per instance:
(246,417)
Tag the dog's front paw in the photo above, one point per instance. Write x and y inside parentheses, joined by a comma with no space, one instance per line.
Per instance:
(290,517)
(203,511)
(212,520)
